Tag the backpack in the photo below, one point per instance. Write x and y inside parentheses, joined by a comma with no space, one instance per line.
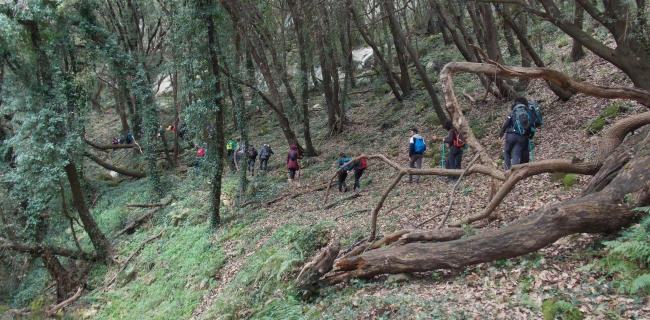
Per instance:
(418,145)
(536,112)
(200,153)
(293,155)
(343,161)
(522,119)
(264,153)
(364,164)
(253,153)
(459,141)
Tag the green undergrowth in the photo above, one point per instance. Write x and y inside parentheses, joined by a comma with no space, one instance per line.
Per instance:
(182,263)
(262,287)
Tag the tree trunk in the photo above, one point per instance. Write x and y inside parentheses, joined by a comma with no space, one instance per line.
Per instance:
(490,38)
(303,73)
(65,282)
(577,52)
(177,116)
(386,66)
(405,79)
(523,41)
(100,242)
(217,143)
(507,33)
(397,33)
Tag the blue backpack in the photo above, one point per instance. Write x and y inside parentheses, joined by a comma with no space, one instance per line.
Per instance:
(522,119)
(418,145)
(537,113)
(344,161)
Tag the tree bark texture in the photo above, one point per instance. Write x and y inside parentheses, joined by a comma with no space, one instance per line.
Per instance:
(97,237)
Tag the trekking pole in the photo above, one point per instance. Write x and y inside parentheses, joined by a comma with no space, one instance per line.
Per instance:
(530,150)
(442,161)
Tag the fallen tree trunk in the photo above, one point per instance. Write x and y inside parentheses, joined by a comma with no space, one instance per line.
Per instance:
(603,211)
(124,171)
(38,249)
(140,220)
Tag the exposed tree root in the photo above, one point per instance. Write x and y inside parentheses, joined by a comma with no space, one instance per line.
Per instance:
(140,220)
(38,249)
(53,310)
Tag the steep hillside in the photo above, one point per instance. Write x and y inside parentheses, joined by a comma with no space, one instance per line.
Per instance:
(246,267)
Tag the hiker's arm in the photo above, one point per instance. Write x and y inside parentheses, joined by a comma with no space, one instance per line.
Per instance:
(450,137)
(506,125)
(411,147)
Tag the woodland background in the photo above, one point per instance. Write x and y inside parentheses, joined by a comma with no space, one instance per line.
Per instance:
(94,230)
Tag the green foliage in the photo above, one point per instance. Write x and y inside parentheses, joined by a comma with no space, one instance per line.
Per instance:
(553,308)
(177,264)
(557,176)
(627,258)
(568,181)
(596,125)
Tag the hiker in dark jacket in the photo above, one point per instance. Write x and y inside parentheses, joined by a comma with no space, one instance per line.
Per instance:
(359,167)
(292,161)
(344,173)
(252,155)
(265,154)
(455,158)
(415,157)
(515,142)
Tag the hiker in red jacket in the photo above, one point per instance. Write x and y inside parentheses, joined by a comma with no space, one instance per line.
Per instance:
(292,161)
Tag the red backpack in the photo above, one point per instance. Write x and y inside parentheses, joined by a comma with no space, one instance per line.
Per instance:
(364,163)
(459,141)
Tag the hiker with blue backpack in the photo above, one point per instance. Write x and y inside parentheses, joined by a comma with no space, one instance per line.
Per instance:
(519,127)
(456,143)
(344,173)
(416,150)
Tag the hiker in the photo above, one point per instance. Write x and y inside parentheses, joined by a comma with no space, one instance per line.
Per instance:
(518,130)
(116,141)
(292,161)
(231,145)
(181,131)
(265,154)
(129,138)
(456,143)
(359,167)
(416,150)
(344,173)
(199,155)
(252,155)
(239,154)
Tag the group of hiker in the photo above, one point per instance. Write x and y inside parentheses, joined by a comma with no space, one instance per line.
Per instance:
(524,117)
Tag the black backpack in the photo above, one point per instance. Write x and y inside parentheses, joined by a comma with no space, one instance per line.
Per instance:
(521,117)
(293,155)
(253,153)
(537,113)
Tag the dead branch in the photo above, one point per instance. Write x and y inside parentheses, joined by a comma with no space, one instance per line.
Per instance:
(65,303)
(140,220)
(124,171)
(126,262)
(320,265)
(353,212)
(353,196)
(453,192)
(295,195)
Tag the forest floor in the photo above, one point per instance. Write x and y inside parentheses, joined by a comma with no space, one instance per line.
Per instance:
(245,268)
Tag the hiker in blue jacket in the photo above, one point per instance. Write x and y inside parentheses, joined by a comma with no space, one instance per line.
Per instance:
(456,142)
(416,150)
(344,173)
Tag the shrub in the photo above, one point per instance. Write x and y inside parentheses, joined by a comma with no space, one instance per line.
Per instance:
(627,258)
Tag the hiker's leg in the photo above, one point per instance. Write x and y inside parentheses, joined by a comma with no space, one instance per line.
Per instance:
(357,176)
(411,165)
(525,155)
(341,179)
(418,165)
(518,149)
(511,140)
(292,173)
